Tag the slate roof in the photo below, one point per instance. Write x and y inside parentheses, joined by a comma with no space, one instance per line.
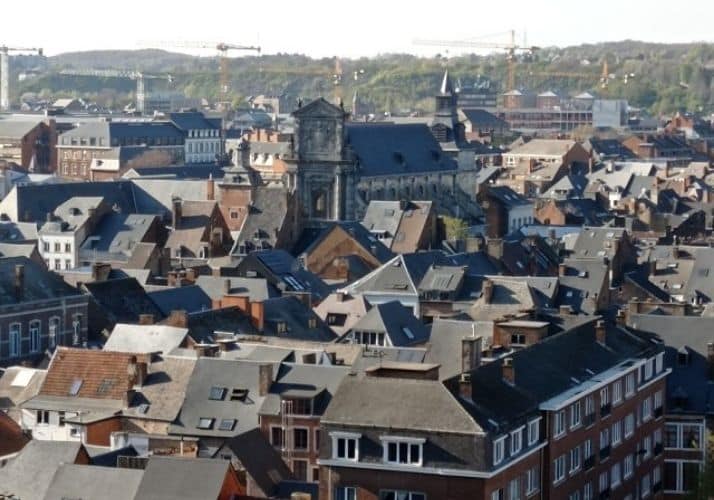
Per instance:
(482,119)
(609,148)
(16,232)
(390,149)
(445,342)
(177,478)
(18,384)
(28,476)
(507,196)
(424,405)
(285,271)
(597,242)
(191,298)
(261,461)
(191,120)
(91,482)
(700,284)
(582,283)
(346,311)
(296,316)
(38,284)
(265,217)
(547,369)
(116,236)
(220,373)
(396,321)
(203,325)
(124,130)
(122,300)
(544,147)
(257,289)
(15,129)
(193,172)
(144,338)
(360,235)
(317,381)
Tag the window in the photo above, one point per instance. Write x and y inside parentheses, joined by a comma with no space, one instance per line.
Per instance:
(217,393)
(401,495)
(656,476)
(58,247)
(645,486)
(52,332)
(205,423)
(559,469)
(497,494)
(532,480)
(68,264)
(590,407)
(628,466)
(574,459)
(559,427)
(62,416)
(43,417)
(317,439)
(646,409)
(76,329)
(15,340)
(587,448)
(227,424)
(301,406)
(616,433)
(516,441)
(629,384)
(300,469)
(588,491)
(346,493)
(604,438)
(615,477)
(514,489)
(345,446)
(67,247)
(649,367)
(533,431)
(300,439)
(315,474)
(405,451)
(657,401)
(574,495)
(647,447)
(499,450)
(604,401)
(617,392)
(46,246)
(518,339)
(659,362)
(276,436)
(575,416)
(35,344)
(604,484)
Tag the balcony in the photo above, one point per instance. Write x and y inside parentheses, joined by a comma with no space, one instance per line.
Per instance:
(589,462)
(657,487)
(658,449)
(589,420)
(605,410)
(604,495)
(658,412)
(604,453)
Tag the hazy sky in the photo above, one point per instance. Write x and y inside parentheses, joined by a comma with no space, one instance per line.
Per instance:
(325,28)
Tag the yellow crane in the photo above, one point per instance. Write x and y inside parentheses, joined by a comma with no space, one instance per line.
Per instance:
(605,75)
(511,48)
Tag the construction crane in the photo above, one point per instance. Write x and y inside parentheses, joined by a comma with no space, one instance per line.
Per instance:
(138,76)
(511,48)
(605,75)
(5,72)
(223,50)
(333,75)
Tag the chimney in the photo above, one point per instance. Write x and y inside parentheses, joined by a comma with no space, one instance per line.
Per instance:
(210,188)
(176,212)
(340,296)
(532,163)
(136,372)
(226,286)
(265,378)
(49,217)
(600,331)
(562,269)
(470,353)
(565,310)
(19,281)
(487,290)
(146,319)
(465,386)
(225,345)
(507,371)
(653,267)
(675,252)
(257,315)
(494,248)
(206,350)
(178,319)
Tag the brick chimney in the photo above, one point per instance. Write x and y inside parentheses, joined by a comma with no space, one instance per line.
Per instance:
(176,212)
(340,296)
(210,188)
(465,390)
(600,331)
(177,318)
(19,281)
(257,315)
(494,248)
(227,286)
(487,290)
(146,319)
(507,371)
(562,269)
(470,353)
(136,372)
(265,378)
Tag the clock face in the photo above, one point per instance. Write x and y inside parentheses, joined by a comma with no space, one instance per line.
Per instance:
(323,136)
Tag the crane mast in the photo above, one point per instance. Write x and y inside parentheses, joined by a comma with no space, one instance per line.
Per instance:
(5,72)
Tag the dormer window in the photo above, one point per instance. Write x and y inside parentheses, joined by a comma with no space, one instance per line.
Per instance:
(516,441)
(402,450)
(345,445)
(499,450)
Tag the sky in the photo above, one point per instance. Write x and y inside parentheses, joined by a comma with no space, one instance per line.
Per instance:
(322,28)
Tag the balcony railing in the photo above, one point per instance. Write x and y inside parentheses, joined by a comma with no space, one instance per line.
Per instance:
(605,410)
(658,449)
(657,486)
(604,453)
(589,462)
(604,495)
(658,412)
(589,420)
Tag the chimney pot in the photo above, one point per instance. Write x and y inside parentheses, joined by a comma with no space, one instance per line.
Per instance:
(265,378)
(508,371)
(487,290)
(600,331)
(146,319)
(226,286)
(470,353)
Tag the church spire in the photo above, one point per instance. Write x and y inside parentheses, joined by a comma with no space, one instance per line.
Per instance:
(447,87)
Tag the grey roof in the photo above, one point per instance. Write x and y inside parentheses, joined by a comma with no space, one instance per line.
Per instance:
(360,234)
(28,476)
(262,462)
(202,326)
(445,342)
(597,242)
(507,196)
(320,380)
(122,300)
(192,120)
(116,236)
(396,321)
(154,196)
(120,131)
(229,374)
(389,149)
(91,482)
(145,338)
(568,186)
(284,270)
(265,217)
(18,384)
(188,172)
(171,478)
(423,405)
(15,129)
(442,278)
(38,284)
(581,284)
(296,316)
(544,147)
(546,369)
(257,289)
(700,284)
(484,120)
(191,298)
(15,232)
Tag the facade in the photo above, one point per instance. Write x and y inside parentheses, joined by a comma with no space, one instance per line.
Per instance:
(38,310)
(202,136)
(28,145)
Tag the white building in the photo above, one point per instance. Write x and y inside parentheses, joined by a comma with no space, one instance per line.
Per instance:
(202,136)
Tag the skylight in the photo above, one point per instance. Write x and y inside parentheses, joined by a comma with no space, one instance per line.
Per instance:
(408,332)
(22,378)
(205,423)
(239,394)
(76,385)
(227,424)
(217,393)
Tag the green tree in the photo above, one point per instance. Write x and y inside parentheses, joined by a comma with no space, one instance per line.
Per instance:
(456,229)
